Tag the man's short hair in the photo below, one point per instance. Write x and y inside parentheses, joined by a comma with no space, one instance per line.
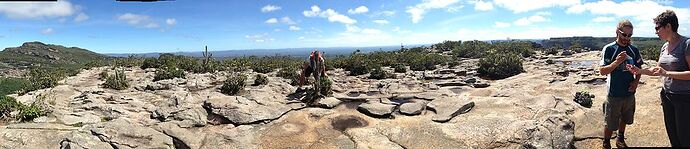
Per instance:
(667,17)
(624,23)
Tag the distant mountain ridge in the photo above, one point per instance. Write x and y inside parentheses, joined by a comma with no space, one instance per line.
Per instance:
(329,51)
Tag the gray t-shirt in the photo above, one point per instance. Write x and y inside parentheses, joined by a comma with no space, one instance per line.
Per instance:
(675,62)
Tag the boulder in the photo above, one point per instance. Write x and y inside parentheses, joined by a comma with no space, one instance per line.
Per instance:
(376,109)
(241,110)
(447,108)
(120,133)
(328,102)
(412,108)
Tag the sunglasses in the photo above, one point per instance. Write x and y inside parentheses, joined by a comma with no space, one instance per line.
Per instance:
(658,27)
(624,34)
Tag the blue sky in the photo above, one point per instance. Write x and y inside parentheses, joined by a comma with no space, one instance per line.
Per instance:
(107,26)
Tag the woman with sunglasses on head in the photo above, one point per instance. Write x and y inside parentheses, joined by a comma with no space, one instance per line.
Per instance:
(673,66)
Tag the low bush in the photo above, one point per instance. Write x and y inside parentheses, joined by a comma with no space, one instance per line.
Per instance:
(378,73)
(500,65)
(326,86)
(168,73)
(260,80)
(400,68)
(117,81)
(7,105)
(28,113)
(233,85)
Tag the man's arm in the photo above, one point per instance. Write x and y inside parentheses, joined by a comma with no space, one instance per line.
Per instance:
(607,69)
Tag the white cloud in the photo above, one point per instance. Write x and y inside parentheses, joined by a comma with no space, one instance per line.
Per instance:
(480,5)
(420,9)
(315,11)
(151,25)
(371,31)
(641,17)
(536,32)
(300,38)
(383,13)
(37,10)
(529,5)
(398,30)
(294,28)
(544,13)
(47,31)
(259,38)
(271,21)
(287,20)
(276,30)
(501,25)
(603,19)
(380,22)
(644,10)
(138,20)
(529,20)
(358,10)
(81,17)
(330,14)
(171,21)
(352,28)
(269,8)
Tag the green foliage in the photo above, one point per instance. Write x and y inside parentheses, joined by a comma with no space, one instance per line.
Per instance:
(400,68)
(448,45)
(649,49)
(103,75)
(326,86)
(471,49)
(28,113)
(11,85)
(40,78)
(117,81)
(290,74)
(260,80)
(168,73)
(233,85)
(7,105)
(150,63)
(500,65)
(378,73)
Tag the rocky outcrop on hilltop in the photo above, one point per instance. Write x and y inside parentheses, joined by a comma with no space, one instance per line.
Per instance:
(444,108)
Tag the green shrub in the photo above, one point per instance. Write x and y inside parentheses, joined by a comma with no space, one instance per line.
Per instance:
(233,85)
(40,78)
(453,63)
(28,113)
(378,73)
(103,75)
(471,49)
(326,88)
(117,81)
(7,105)
(400,68)
(12,85)
(260,80)
(261,67)
(500,65)
(168,73)
(150,63)
(290,74)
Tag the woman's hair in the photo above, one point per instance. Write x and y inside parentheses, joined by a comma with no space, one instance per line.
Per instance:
(667,17)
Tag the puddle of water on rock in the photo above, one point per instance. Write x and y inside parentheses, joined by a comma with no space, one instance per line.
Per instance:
(456,90)
(342,123)
(353,94)
(577,64)
(372,93)
(352,104)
